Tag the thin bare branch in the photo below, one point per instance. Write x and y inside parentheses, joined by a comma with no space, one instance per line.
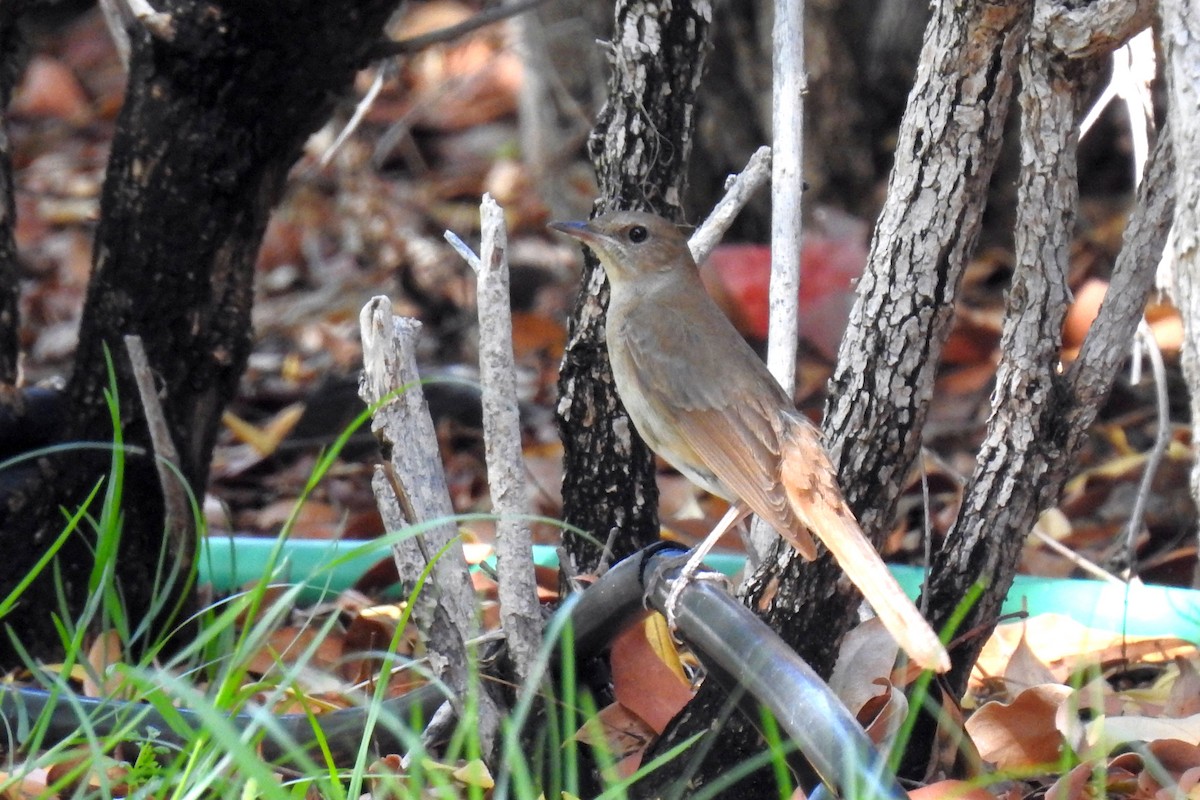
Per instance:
(177,524)
(739,189)
(445,609)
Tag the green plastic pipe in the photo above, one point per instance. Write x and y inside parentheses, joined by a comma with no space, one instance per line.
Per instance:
(328,567)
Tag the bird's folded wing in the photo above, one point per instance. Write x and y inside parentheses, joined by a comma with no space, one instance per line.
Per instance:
(736,433)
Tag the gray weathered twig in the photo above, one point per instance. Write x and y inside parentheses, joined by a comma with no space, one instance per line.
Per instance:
(519,612)
(444,611)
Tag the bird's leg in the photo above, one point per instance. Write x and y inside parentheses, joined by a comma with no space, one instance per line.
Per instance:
(736,513)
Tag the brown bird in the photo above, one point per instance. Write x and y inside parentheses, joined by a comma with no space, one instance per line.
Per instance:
(704,401)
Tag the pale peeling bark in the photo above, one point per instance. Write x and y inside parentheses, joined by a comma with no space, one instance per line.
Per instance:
(640,147)
(948,145)
(1181,45)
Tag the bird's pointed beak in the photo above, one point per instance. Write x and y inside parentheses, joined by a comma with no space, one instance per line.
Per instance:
(583,231)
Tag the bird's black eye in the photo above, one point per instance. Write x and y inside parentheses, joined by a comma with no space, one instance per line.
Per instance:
(638,234)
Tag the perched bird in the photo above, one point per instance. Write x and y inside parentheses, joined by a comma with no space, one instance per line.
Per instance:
(705,402)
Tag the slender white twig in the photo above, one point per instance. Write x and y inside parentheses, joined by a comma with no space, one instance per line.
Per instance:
(360,112)
(519,612)
(1090,567)
(177,521)
(1134,68)
(414,489)
(463,249)
(1162,439)
(739,189)
(789,83)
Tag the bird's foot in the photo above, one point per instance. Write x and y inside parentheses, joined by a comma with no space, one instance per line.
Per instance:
(690,572)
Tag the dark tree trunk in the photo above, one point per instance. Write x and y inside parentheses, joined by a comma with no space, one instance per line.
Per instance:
(640,147)
(216,112)
(11,46)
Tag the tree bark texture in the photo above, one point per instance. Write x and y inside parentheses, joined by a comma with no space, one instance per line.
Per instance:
(11,47)
(881,389)
(1181,46)
(215,114)
(1025,435)
(640,148)
(883,383)
(1040,414)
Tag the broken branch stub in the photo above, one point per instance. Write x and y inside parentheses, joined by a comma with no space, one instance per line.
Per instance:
(445,608)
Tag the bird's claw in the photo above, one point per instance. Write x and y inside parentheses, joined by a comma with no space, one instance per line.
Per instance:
(690,572)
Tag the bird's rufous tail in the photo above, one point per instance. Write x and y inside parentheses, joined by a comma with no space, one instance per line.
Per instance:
(824,512)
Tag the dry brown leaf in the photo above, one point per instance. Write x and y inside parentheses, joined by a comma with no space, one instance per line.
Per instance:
(1184,697)
(314,520)
(1063,644)
(621,732)
(1020,734)
(1080,782)
(1024,670)
(474,773)
(882,715)
(1106,733)
(867,657)
(1174,757)
(264,438)
(1082,312)
(286,645)
(104,652)
(30,786)
(49,89)
(647,675)
(1167,325)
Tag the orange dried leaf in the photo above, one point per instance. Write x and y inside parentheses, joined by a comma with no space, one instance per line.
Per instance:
(265,438)
(1020,734)
(1184,697)
(648,677)
(621,732)
(105,651)
(1025,670)
(882,715)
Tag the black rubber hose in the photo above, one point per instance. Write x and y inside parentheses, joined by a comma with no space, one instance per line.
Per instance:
(745,656)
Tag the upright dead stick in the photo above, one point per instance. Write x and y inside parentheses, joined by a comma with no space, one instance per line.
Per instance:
(445,610)
(519,611)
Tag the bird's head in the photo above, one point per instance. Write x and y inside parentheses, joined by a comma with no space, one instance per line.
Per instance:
(632,244)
